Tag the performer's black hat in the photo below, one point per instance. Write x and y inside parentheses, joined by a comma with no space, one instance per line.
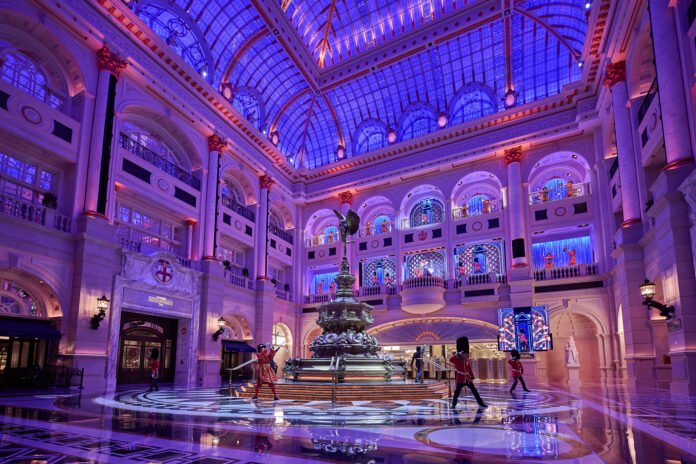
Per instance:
(155,353)
(514,354)
(463,345)
(260,346)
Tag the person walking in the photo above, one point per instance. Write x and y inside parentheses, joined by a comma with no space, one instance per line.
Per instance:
(464,377)
(265,373)
(517,371)
(418,360)
(154,369)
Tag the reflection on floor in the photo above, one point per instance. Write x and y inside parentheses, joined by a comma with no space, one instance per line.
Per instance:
(600,424)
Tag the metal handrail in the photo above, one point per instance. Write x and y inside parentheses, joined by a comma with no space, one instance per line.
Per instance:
(442,368)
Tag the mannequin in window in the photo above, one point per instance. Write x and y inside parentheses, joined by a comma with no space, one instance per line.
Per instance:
(425,219)
(486,206)
(331,236)
(315,240)
(332,287)
(374,280)
(388,279)
(368,228)
(461,271)
(418,272)
(385,227)
(465,210)
(544,195)
(571,257)
(569,188)
(549,260)
(478,267)
(426,269)
(321,282)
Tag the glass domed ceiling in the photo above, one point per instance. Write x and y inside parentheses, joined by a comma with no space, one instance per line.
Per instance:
(533,48)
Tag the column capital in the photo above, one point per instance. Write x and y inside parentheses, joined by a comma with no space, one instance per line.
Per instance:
(107,60)
(266,182)
(346,198)
(513,155)
(616,73)
(191,222)
(216,143)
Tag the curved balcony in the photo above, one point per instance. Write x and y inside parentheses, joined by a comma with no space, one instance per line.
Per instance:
(423,295)
(464,212)
(566,272)
(369,231)
(576,190)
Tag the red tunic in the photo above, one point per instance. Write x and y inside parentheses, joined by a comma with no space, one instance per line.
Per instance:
(462,365)
(517,368)
(265,373)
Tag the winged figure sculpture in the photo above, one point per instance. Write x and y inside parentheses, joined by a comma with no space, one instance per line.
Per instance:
(347,225)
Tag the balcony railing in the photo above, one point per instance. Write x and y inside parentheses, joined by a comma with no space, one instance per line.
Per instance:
(461,213)
(158,161)
(566,272)
(242,210)
(278,232)
(283,295)
(239,281)
(322,298)
(322,239)
(577,190)
(423,282)
(406,224)
(383,228)
(376,290)
(647,99)
(30,212)
(140,247)
(480,279)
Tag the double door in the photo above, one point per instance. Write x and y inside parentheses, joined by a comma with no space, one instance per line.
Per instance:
(140,337)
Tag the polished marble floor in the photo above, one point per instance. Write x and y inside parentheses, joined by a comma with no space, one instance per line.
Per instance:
(594,425)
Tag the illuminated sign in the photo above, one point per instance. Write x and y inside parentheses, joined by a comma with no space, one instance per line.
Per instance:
(160,301)
(524,329)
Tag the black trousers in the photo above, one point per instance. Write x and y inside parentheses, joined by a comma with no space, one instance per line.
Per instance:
(514,384)
(471,387)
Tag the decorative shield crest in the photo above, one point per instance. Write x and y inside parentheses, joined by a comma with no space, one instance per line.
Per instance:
(163,271)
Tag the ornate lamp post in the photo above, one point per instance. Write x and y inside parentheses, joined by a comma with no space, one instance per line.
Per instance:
(647,291)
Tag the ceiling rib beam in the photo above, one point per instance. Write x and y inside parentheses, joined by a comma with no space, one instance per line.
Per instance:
(285,107)
(303,148)
(550,29)
(325,38)
(260,34)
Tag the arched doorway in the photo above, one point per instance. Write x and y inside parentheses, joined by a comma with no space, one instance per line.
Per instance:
(235,348)
(282,336)
(140,336)
(584,331)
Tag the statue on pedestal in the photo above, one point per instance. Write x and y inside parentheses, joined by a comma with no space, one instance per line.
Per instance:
(572,359)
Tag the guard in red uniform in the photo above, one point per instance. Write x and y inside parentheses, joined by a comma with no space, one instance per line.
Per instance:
(517,370)
(465,375)
(265,373)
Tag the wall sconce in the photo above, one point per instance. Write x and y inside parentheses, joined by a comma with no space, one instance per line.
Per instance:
(102,306)
(340,152)
(442,120)
(510,98)
(647,290)
(275,138)
(221,328)
(391,136)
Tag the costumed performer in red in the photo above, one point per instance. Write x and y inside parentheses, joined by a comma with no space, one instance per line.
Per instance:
(465,375)
(265,373)
(517,371)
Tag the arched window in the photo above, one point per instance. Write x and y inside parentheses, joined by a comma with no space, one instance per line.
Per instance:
(372,136)
(23,73)
(331,234)
(275,220)
(148,140)
(427,264)
(15,300)
(249,106)
(419,121)
(557,189)
(477,205)
(382,224)
(473,102)
(231,191)
(178,34)
(425,212)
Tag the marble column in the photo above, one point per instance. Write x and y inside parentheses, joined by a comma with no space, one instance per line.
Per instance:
(670,84)
(189,238)
(516,208)
(98,172)
(212,196)
(630,199)
(265,182)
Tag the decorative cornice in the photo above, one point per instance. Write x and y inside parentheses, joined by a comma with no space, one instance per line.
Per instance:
(266,182)
(346,198)
(616,73)
(107,60)
(216,143)
(513,155)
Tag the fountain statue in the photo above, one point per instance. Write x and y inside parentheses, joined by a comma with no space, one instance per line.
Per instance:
(344,348)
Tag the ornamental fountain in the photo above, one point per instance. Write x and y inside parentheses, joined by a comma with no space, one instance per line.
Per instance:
(344,352)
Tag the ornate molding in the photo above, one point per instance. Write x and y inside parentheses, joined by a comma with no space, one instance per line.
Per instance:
(513,155)
(216,143)
(266,182)
(346,198)
(107,60)
(616,73)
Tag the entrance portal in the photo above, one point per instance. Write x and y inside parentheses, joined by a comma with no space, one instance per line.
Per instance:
(139,335)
